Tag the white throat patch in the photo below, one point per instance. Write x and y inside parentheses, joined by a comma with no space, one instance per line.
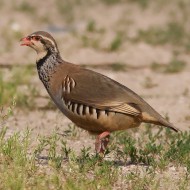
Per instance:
(41,55)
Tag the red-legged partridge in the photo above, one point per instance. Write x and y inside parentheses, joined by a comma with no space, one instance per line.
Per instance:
(89,99)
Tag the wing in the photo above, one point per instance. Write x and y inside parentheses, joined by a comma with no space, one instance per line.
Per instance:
(96,90)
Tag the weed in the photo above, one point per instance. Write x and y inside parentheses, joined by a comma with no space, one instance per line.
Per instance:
(117,67)
(174,66)
(174,33)
(142,3)
(15,161)
(91,26)
(25,7)
(65,151)
(116,42)
(72,131)
(111,2)
(9,89)
(89,41)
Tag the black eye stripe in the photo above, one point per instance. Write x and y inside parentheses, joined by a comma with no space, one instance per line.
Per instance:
(46,42)
(43,41)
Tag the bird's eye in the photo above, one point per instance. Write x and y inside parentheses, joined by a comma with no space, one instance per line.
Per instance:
(37,38)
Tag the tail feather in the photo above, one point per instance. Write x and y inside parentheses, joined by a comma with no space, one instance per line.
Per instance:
(158,120)
(167,124)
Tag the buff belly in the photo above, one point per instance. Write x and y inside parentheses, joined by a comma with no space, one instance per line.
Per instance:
(102,121)
(96,120)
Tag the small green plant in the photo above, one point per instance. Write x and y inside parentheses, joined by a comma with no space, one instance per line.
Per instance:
(53,156)
(174,66)
(72,131)
(117,67)
(142,3)
(90,42)
(116,43)
(91,26)
(5,114)
(25,7)
(111,2)
(12,87)
(174,33)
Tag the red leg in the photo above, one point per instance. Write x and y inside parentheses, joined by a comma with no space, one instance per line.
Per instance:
(102,142)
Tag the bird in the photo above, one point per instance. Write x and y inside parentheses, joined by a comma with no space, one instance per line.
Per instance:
(92,101)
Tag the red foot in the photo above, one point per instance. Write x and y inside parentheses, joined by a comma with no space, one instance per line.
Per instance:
(102,141)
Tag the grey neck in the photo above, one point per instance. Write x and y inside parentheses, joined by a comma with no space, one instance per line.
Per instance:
(47,66)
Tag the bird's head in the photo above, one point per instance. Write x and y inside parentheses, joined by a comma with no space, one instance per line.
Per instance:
(42,42)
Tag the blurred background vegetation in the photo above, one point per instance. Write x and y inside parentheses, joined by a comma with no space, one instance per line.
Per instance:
(111,34)
(100,25)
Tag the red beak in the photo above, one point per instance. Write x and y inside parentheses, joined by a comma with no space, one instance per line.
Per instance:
(25,41)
